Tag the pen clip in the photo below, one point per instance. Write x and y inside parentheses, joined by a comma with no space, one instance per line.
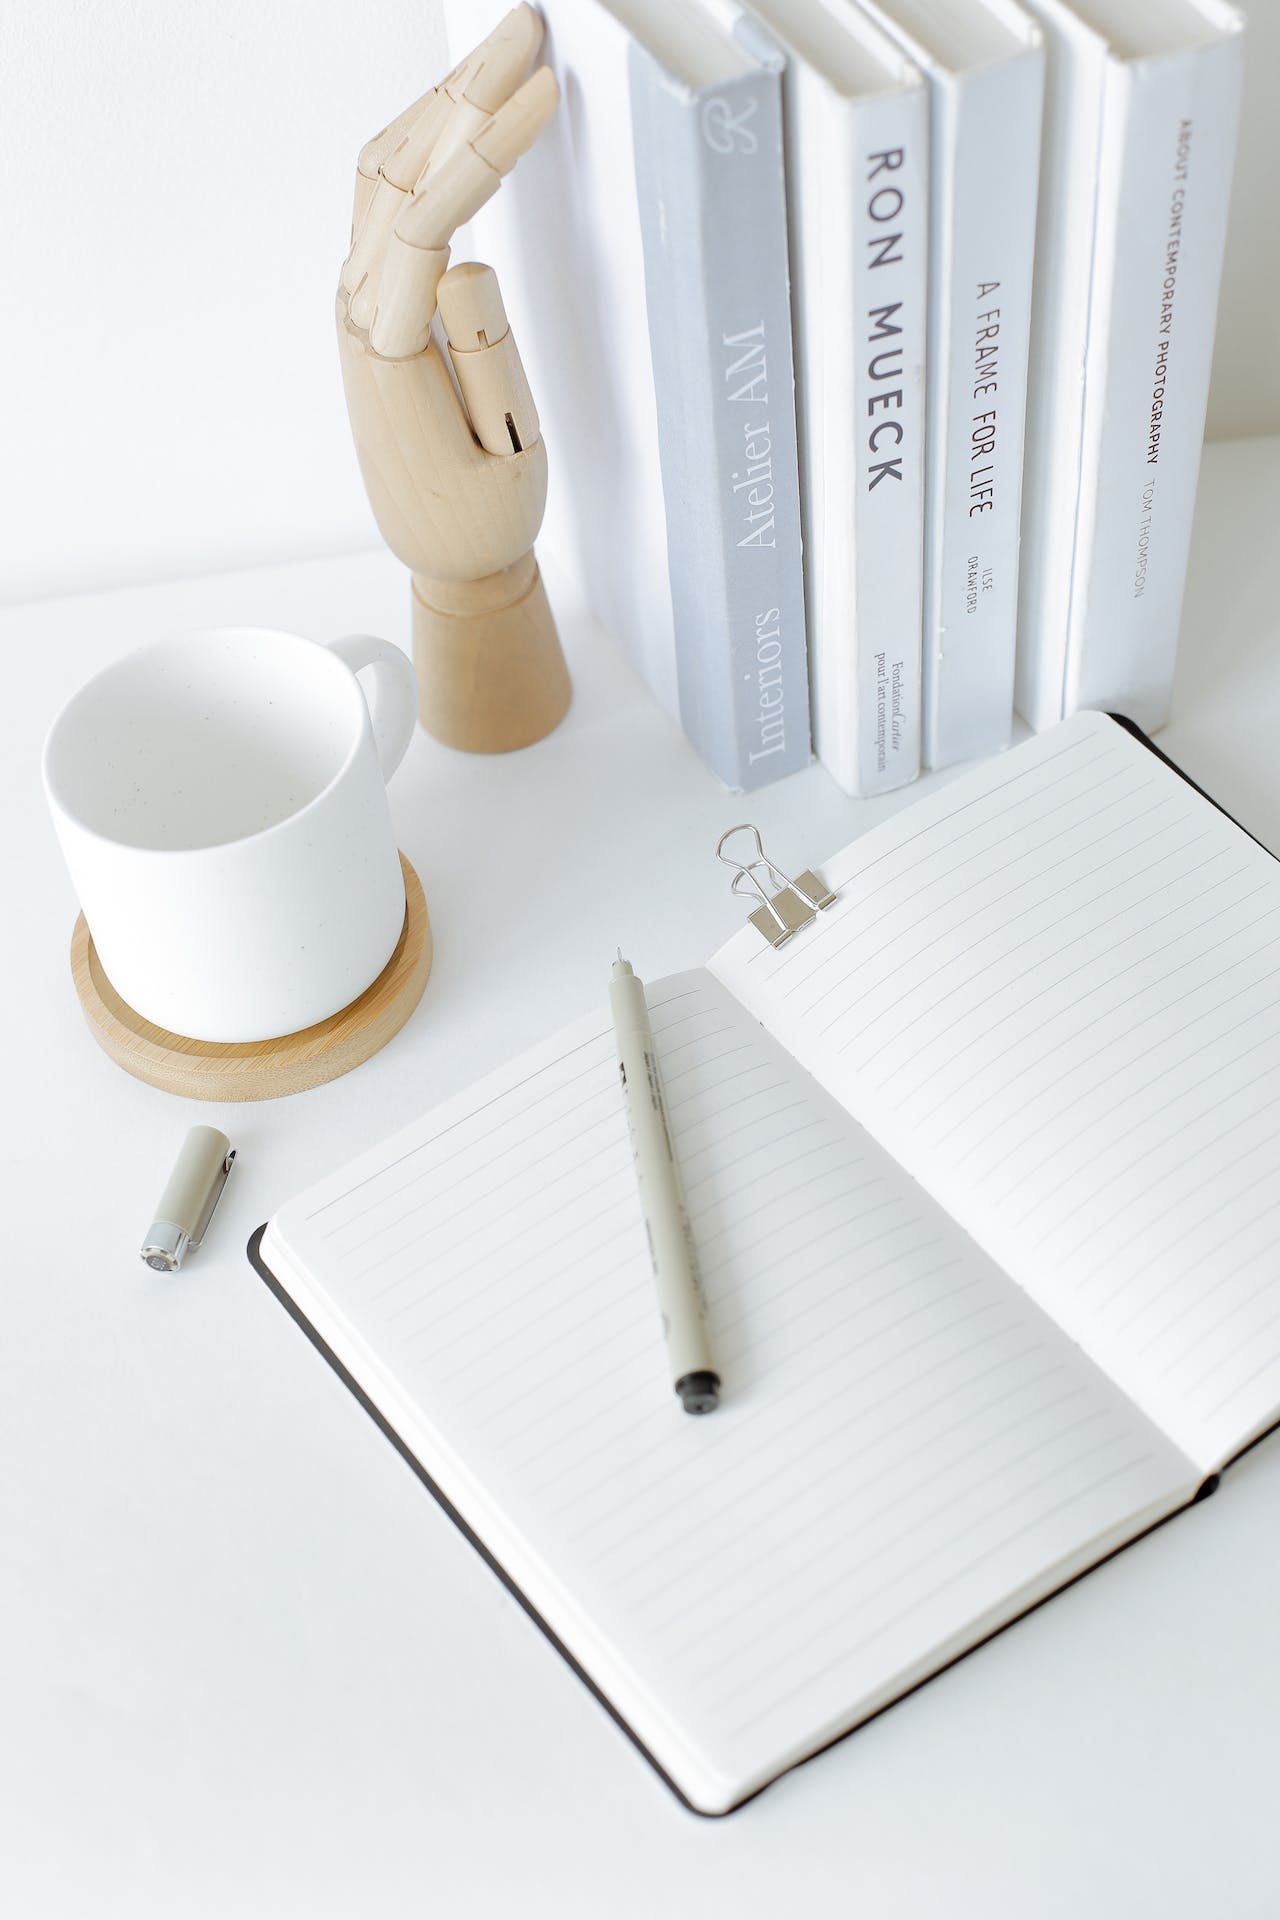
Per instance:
(214,1195)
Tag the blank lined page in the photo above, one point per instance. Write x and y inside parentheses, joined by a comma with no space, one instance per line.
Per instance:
(906,1450)
(1054,991)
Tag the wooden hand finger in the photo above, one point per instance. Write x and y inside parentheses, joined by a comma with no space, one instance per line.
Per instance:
(490,374)
(401,303)
(476,98)
(475,91)
(391,163)
(462,106)
(456,186)
(405,301)
(486,78)
(375,151)
(377,201)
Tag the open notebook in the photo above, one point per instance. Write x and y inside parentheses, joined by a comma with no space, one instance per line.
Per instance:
(984,1170)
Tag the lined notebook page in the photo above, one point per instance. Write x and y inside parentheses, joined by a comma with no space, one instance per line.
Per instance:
(1054,991)
(906,1448)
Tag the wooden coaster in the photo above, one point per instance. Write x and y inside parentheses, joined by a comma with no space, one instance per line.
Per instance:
(259,1069)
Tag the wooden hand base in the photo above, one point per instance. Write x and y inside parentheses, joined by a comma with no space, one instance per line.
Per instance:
(491,675)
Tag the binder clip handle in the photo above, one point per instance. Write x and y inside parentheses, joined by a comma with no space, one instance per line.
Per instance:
(793,903)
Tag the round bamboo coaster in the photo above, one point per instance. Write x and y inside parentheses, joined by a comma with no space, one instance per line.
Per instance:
(259,1069)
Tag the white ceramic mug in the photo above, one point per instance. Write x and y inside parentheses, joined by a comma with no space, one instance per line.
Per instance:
(221,803)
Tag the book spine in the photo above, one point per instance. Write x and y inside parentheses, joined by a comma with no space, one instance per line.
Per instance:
(860,199)
(710,188)
(1165,170)
(985,141)
(1075,59)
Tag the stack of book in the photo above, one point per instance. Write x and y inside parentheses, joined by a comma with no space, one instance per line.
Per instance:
(873,342)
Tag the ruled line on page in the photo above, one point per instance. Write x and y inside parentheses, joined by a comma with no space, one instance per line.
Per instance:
(1194,1345)
(700,1065)
(708,1235)
(795,1247)
(1270,1363)
(1051,986)
(829,1366)
(701,1091)
(1151,1148)
(1118,1073)
(762,1442)
(614,1131)
(600,1270)
(842,1220)
(1087,1000)
(788,1129)
(517,1245)
(1066,918)
(1075,1172)
(501,1097)
(463,1120)
(932,919)
(900,900)
(732,1533)
(729,1515)
(582,1320)
(1169,1171)
(763,1591)
(507,1155)
(1186,1229)
(810,1615)
(787,957)
(1040,1522)
(1249,1344)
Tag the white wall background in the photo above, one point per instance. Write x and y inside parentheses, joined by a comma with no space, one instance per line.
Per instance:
(175,206)
(177,179)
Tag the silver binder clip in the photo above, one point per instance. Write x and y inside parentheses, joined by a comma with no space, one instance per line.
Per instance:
(794,903)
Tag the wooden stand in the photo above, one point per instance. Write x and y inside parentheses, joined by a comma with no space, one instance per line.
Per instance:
(259,1069)
(491,675)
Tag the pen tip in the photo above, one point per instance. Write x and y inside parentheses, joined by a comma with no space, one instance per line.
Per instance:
(619,956)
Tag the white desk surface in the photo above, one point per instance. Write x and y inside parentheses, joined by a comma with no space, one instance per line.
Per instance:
(247,1667)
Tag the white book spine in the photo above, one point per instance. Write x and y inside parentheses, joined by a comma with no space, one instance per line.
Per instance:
(859,184)
(1075,61)
(985,146)
(1165,165)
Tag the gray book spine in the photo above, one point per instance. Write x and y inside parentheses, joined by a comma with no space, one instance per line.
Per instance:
(710,185)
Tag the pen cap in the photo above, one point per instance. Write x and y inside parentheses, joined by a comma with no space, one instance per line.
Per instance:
(191,1193)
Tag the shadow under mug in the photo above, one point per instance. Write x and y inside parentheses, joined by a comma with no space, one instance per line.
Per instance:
(220,800)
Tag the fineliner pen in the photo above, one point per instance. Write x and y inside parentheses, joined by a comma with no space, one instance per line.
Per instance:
(675,1264)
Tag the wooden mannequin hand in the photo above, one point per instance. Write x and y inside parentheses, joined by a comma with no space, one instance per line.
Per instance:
(458,492)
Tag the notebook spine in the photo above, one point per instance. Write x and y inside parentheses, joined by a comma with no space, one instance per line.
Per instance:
(709,180)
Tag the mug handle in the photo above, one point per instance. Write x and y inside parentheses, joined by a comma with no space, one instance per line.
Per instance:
(394,707)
